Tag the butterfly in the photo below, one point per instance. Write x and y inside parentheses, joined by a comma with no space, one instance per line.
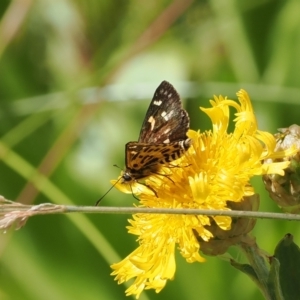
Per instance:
(162,137)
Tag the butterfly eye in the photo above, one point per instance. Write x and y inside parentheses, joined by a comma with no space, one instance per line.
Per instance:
(127,177)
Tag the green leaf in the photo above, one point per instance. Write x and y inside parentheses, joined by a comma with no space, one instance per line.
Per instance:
(273,279)
(288,255)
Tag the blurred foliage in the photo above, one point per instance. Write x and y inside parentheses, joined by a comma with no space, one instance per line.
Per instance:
(72,77)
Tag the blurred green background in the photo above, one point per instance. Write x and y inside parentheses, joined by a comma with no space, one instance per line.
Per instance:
(76,78)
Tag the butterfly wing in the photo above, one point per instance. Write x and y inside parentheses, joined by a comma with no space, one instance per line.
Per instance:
(162,138)
(165,121)
(147,155)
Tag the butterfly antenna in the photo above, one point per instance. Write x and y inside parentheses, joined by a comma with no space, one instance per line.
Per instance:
(96,204)
(134,196)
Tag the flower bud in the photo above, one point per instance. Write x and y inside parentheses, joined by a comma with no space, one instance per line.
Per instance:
(285,190)
(240,227)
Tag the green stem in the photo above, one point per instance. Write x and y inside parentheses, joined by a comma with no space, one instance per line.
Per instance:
(260,271)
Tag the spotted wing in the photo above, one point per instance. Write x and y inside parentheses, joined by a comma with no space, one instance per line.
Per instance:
(141,156)
(165,121)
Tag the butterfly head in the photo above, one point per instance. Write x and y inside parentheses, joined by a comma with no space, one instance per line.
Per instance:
(130,175)
(126,177)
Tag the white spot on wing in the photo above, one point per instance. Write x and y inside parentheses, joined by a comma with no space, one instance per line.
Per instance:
(151,120)
(166,116)
(158,102)
(167,130)
(167,141)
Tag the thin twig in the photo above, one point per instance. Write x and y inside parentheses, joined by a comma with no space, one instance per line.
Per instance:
(11,212)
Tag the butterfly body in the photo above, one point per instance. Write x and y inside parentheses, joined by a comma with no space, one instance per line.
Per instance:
(162,137)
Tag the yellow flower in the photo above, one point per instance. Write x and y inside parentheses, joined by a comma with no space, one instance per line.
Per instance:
(216,168)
